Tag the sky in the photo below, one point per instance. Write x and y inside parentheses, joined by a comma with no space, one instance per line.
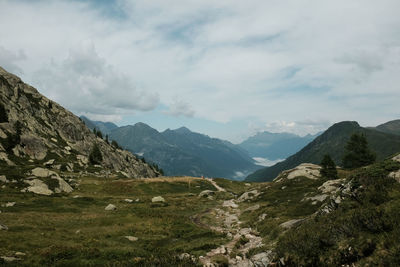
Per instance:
(228,69)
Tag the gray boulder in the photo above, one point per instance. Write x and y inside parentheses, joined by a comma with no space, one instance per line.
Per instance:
(38,187)
(157,199)
(206,193)
(248,195)
(3,179)
(262,259)
(110,207)
(131,238)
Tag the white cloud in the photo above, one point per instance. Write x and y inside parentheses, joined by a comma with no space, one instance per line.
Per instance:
(297,127)
(265,61)
(266,162)
(9,59)
(85,83)
(180,108)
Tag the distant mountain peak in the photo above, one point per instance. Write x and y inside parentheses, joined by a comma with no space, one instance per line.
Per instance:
(182,130)
(141,124)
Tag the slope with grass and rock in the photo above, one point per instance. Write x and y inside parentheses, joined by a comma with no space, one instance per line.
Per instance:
(332,142)
(41,143)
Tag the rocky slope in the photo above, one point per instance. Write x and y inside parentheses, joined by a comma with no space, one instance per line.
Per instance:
(35,131)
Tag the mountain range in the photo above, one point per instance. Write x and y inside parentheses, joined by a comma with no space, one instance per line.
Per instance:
(384,140)
(274,146)
(181,151)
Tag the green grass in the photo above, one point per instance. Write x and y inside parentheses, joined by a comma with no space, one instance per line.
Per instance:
(61,230)
(64,231)
(364,230)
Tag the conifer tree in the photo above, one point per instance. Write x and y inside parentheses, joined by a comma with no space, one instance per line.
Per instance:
(95,156)
(328,168)
(357,152)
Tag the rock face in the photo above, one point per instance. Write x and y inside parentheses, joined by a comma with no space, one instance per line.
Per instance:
(52,136)
(308,170)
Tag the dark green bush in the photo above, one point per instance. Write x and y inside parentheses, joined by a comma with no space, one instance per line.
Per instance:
(3,114)
(328,168)
(95,156)
(13,139)
(357,152)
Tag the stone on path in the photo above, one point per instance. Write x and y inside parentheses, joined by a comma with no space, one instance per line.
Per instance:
(230,204)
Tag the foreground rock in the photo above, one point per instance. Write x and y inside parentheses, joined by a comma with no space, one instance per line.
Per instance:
(10,259)
(3,179)
(110,207)
(131,238)
(206,193)
(230,204)
(249,195)
(395,175)
(308,170)
(38,187)
(158,199)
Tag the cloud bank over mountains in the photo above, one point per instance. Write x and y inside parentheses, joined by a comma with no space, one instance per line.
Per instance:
(269,63)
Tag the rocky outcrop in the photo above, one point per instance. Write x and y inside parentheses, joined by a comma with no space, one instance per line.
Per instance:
(157,199)
(110,207)
(40,130)
(38,187)
(248,195)
(206,193)
(308,170)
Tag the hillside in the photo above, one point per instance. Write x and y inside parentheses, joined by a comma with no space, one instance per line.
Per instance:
(37,132)
(183,152)
(275,146)
(332,142)
(392,127)
(298,220)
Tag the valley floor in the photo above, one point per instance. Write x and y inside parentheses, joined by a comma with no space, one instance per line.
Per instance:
(211,222)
